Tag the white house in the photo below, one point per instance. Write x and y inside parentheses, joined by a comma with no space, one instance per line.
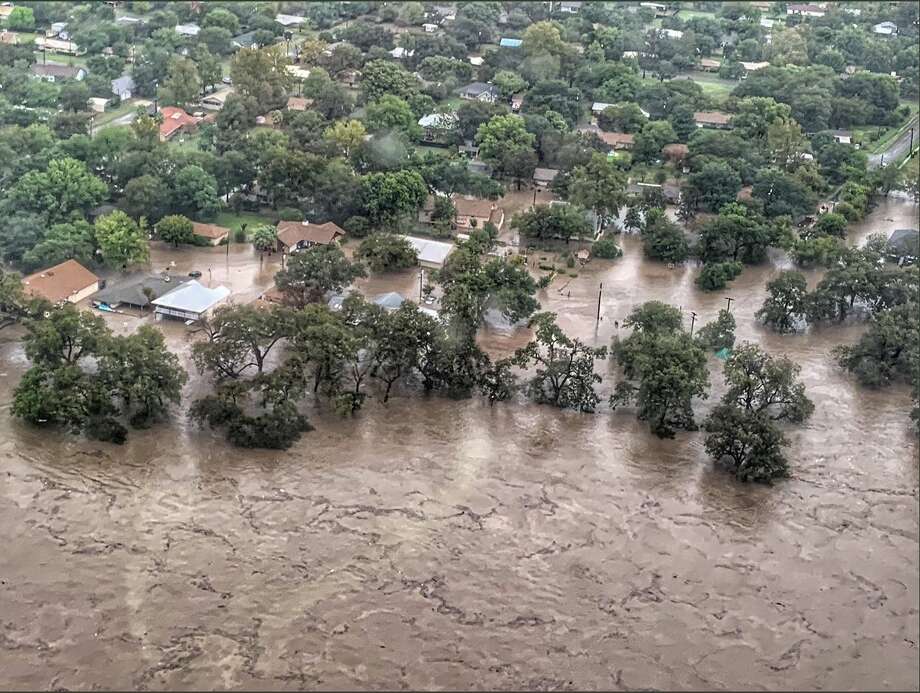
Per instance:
(431,254)
(671,33)
(191,301)
(885,29)
(289,19)
(123,87)
(430,28)
(753,67)
(187,29)
(806,10)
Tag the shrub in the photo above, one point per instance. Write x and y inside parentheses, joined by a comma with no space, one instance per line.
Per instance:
(716,275)
(606,249)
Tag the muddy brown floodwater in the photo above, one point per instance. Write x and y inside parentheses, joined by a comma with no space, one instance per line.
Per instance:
(439,544)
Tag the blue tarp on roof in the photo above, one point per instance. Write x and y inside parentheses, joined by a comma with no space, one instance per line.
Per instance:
(510,43)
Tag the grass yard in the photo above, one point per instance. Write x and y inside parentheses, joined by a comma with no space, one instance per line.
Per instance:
(692,14)
(233,220)
(103,119)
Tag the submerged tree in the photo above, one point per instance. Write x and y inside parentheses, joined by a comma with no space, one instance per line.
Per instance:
(718,334)
(785,304)
(565,374)
(313,273)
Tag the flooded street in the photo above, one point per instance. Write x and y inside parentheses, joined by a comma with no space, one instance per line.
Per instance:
(431,543)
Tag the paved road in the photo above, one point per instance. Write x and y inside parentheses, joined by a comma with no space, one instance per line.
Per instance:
(897,149)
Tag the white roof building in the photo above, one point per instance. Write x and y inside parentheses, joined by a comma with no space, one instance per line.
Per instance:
(753,67)
(671,33)
(885,28)
(188,29)
(191,301)
(289,19)
(439,121)
(476,60)
(431,254)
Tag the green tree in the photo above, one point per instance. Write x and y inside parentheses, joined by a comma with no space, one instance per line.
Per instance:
(142,374)
(651,139)
(381,77)
(548,222)
(264,238)
(347,135)
(501,134)
(71,241)
(663,240)
(764,384)
(598,185)
(384,252)
(240,338)
(785,304)
(830,224)
(714,185)
(21,19)
(565,376)
(663,369)
(389,113)
(145,196)
(747,444)
(175,229)
(622,117)
(888,351)
(183,84)
(261,73)
(64,337)
(66,186)
(74,96)
(509,83)
(716,275)
(718,334)
(387,197)
(121,240)
(311,274)
(194,193)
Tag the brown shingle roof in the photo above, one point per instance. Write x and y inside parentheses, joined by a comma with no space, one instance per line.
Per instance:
(291,233)
(616,139)
(298,103)
(60,282)
(712,117)
(211,231)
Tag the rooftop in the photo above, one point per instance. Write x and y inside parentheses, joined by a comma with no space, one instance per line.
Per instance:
(60,282)
(132,290)
(290,233)
(211,231)
(192,297)
(434,252)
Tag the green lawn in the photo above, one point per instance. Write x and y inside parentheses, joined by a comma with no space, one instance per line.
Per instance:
(232,220)
(691,14)
(103,119)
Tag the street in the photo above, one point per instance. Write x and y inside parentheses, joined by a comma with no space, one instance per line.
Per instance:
(898,149)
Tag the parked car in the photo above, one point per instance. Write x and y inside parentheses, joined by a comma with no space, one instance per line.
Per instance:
(194,274)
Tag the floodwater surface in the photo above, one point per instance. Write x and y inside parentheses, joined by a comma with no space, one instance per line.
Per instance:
(431,543)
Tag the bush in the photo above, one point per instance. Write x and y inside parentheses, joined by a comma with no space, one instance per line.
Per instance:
(358,226)
(606,249)
(290,214)
(239,236)
(544,281)
(716,275)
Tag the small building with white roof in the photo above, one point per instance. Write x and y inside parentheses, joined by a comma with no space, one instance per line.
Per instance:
(431,254)
(191,301)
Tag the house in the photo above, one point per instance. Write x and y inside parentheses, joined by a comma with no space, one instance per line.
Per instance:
(569,7)
(97,104)
(290,19)
(138,292)
(9,38)
(599,107)
(350,78)
(544,176)
(54,72)
(630,55)
(670,190)
(246,40)
(188,29)
(476,60)
(399,53)
(517,101)
(176,121)
(675,152)
(57,29)
(298,103)
(54,45)
(472,213)
(216,101)
(710,64)
(389,301)
(842,136)
(214,234)
(661,9)
(670,33)
(713,119)
(904,246)
(510,43)
(431,254)
(479,91)
(297,71)
(805,10)
(885,29)
(753,67)
(767,23)
(616,140)
(430,28)
(438,127)
(128,20)
(123,87)
(298,235)
(5,11)
(190,301)
(69,281)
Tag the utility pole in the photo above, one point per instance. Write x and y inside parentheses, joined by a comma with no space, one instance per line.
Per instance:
(692,321)
(728,306)
(421,279)
(600,291)
(911,147)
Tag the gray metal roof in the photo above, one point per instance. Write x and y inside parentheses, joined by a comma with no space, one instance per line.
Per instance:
(131,291)
(192,297)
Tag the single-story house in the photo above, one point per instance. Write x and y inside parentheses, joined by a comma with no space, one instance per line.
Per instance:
(476,213)
(476,60)
(68,281)
(904,244)
(389,301)
(670,190)
(431,254)
(139,291)
(290,19)
(805,10)
(298,235)
(5,11)
(713,119)
(661,9)
(517,101)
(297,71)
(9,38)
(842,136)
(188,29)
(753,66)
(53,72)
(216,101)
(437,127)
(544,176)
(298,103)
(214,234)
(670,33)
(175,121)
(630,55)
(429,28)
(97,104)
(123,87)
(479,91)
(599,107)
(617,140)
(710,64)
(885,29)
(767,23)
(128,20)
(569,7)
(245,40)
(56,29)
(399,53)
(510,43)
(190,301)
(57,46)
